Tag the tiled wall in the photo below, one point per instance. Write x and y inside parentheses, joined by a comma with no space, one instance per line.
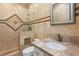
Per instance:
(8,9)
(39,17)
(44,29)
(9,38)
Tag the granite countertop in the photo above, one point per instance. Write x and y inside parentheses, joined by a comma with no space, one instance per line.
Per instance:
(71,48)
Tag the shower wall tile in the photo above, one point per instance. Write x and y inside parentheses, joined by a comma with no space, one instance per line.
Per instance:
(9,38)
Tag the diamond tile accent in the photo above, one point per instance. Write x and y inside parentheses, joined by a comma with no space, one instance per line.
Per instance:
(14,22)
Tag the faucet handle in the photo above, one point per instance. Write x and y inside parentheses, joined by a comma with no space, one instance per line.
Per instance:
(58,37)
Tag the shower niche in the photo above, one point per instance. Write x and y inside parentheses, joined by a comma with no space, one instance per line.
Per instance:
(26,38)
(27,41)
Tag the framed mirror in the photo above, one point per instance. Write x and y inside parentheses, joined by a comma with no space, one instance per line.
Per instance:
(62,13)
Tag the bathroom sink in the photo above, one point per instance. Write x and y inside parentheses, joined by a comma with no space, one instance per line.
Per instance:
(55,45)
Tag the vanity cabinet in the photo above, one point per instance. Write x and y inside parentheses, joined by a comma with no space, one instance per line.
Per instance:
(39,52)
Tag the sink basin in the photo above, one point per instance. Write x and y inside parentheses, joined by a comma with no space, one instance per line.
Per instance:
(55,45)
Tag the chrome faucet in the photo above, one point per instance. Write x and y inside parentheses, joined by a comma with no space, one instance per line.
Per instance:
(58,37)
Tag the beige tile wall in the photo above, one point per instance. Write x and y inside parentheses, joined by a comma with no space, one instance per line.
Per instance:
(38,10)
(44,29)
(8,9)
(9,39)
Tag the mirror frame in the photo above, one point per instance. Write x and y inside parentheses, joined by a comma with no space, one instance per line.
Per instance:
(71,14)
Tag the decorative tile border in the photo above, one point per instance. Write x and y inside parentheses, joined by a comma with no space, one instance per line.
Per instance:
(15,24)
(9,51)
(44,19)
(13,16)
(40,19)
(77,8)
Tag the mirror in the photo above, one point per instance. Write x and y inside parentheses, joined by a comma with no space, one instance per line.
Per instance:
(62,13)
